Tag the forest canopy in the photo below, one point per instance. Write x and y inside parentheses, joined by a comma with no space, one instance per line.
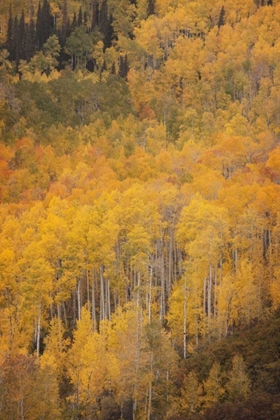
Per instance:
(139,216)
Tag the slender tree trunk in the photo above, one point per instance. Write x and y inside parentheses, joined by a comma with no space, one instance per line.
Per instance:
(175,258)
(150,294)
(102,297)
(74,307)
(149,401)
(209,296)
(169,265)
(51,307)
(138,289)
(137,359)
(196,330)
(185,319)
(79,298)
(39,331)
(65,315)
(235,260)
(270,255)
(150,388)
(108,300)
(167,386)
(88,288)
(162,296)
(215,293)
(204,296)
(93,306)
(58,311)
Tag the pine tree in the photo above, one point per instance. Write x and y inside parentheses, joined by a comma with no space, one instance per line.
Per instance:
(10,35)
(80,17)
(47,22)
(151,7)
(95,14)
(65,22)
(39,36)
(31,10)
(222,21)
(16,41)
(74,22)
(22,37)
(30,40)
(123,68)
(85,17)
(105,25)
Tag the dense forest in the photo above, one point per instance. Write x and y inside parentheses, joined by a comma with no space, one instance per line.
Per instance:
(139,209)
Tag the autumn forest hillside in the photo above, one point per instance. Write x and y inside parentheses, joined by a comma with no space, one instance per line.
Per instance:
(139,209)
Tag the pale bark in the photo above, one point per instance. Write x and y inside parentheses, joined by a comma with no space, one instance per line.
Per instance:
(93,305)
(38,331)
(185,320)
(102,297)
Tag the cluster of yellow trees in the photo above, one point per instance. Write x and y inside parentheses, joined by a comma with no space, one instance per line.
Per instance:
(141,241)
(128,242)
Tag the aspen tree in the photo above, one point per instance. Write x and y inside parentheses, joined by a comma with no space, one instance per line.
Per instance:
(189,401)
(239,383)
(212,387)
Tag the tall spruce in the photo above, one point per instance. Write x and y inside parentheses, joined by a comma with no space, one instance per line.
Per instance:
(74,23)
(30,40)
(151,7)
(39,35)
(31,10)
(10,35)
(95,14)
(16,41)
(85,21)
(123,67)
(65,23)
(80,17)
(44,24)
(105,25)
(22,37)
(222,19)
(47,21)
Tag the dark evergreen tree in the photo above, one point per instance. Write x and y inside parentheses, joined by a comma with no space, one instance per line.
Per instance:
(63,34)
(80,17)
(30,40)
(47,21)
(10,36)
(113,69)
(85,18)
(39,35)
(74,22)
(16,41)
(65,30)
(95,14)
(105,25)
(22,37)
(31,10)
(123,67)
(222,16)
(151,7)
(44,24)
